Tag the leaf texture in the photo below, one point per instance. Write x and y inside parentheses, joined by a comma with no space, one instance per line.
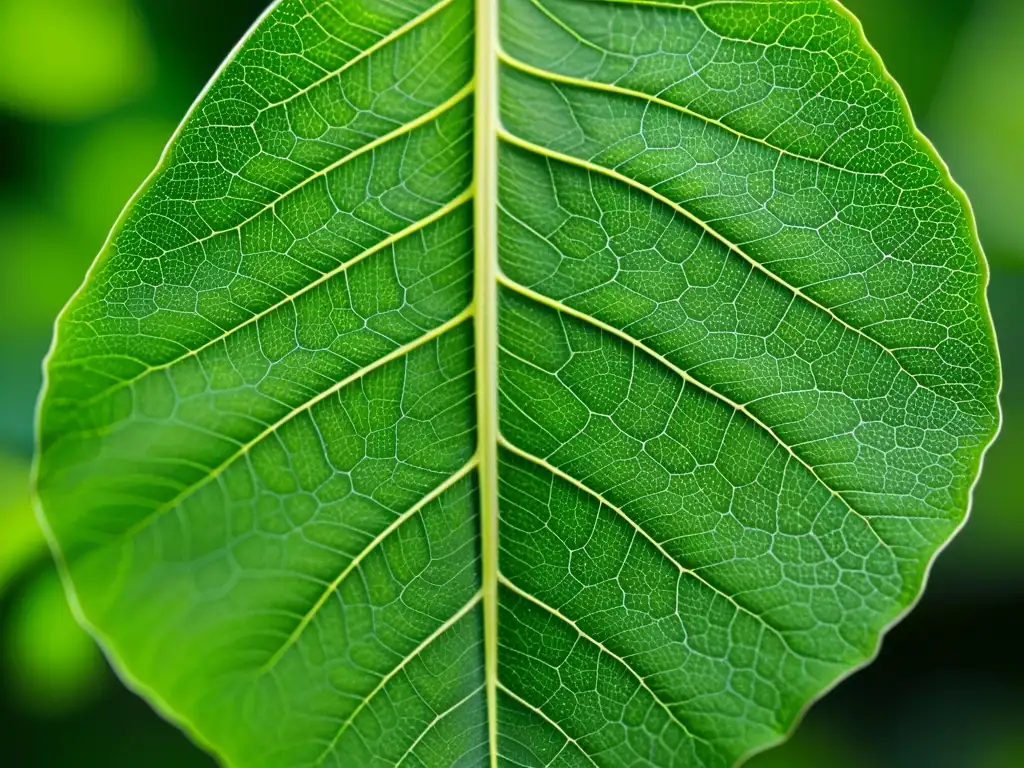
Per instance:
(546,383)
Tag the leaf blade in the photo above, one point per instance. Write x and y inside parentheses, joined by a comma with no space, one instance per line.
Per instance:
(732,432)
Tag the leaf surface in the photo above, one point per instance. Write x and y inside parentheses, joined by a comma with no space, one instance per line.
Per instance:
(547,383)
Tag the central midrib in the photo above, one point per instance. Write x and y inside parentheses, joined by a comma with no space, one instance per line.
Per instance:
(485,298)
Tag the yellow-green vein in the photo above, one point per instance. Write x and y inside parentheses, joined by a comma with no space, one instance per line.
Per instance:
(558,306)
(512,587)
(217,471)
(448,624)
(610,173)
(682,569)
(358,559)
(544,716)
(485,175)
(387,242)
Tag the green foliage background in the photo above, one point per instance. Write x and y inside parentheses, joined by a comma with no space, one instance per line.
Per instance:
(90,91)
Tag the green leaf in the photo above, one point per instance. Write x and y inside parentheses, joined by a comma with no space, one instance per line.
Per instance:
(600,402)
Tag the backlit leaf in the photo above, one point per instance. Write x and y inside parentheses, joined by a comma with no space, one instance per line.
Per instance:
(555,382)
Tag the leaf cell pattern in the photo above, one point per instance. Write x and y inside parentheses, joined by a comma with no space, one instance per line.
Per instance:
(745,378)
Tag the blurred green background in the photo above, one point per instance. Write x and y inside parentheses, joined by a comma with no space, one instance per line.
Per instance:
(90,90)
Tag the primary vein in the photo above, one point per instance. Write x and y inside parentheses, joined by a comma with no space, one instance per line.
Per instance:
(485,174)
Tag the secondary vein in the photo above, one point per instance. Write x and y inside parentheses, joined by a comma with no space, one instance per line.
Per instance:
(355,562)
(401,665)
(544,716)
(512,587)
(594,85)
(217,471)
(366,52)
(600,498)
(601,170)
(387,242)
(558,306)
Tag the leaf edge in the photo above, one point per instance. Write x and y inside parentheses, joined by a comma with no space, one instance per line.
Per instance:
(106,644)
(986,274)
(189,728)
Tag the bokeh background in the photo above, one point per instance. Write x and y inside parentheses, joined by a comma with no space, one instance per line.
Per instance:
(90,90)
